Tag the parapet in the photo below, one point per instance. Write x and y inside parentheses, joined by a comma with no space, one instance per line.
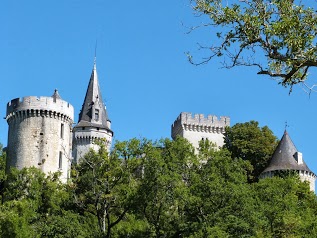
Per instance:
(48,105)
(201,120)
(198,122)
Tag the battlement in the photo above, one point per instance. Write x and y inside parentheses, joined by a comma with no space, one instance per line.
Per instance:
(197,127)
(46,104)
(187,118)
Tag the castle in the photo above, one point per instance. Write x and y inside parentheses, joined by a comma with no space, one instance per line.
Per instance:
(41,134)
(285,157)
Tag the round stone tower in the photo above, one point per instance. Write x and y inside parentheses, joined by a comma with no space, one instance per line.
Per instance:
(40,133)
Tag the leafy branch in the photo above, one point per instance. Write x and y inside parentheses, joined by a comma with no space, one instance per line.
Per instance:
(278,37)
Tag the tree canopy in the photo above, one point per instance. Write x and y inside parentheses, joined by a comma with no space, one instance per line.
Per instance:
(253,143)
(278,37)
(156,190)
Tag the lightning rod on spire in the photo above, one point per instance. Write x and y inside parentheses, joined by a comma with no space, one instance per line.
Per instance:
(95,55)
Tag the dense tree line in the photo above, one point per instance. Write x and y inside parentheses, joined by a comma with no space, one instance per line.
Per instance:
(161,189)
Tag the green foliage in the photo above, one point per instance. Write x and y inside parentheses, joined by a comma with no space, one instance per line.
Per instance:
(3,175)
(132,226)
(36,205)
(16,219)
(206,150)
(221,203)
(164,189)
(282,33)
(250,142)
(286,208)
(66,224)
(160,189)
(106,184)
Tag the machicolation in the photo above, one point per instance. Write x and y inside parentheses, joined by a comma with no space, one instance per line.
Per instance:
(199,123)
(40,133)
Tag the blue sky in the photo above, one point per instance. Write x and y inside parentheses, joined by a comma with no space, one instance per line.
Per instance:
(143,71)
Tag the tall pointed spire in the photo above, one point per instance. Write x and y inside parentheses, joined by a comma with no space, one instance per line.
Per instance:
(93,121)
(93,112)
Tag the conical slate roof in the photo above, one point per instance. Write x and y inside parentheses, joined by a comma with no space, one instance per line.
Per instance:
(284,157)
(93,104)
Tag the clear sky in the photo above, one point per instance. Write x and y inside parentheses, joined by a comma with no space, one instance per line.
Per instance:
(143,71)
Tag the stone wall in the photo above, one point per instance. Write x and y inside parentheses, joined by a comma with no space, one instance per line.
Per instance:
(57,106)
(197,127)
(303,175)
(40,134)
(84,138)
(309,177)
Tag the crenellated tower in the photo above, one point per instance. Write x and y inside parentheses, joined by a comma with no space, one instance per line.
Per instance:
(197,127)
(93,122)
(40,133)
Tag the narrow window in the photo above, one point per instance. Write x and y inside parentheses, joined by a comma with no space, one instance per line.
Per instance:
(60,160)
(62,131)
(96,114)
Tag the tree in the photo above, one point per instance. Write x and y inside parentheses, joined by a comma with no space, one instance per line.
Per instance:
(250,142)
(160,189)
(285,208)
(220,202)
(35,205)
(168,168)
(3,175)
(105,185)
(278,37)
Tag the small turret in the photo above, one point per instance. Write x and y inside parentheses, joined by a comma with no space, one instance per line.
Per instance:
(93,122)
(287,158)
(56,95)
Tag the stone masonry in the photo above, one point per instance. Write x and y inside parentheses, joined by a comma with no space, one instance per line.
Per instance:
(93,123)
(197,127)
(40,133)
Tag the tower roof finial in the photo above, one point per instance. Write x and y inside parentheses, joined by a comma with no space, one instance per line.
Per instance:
(95,58)
(286,126)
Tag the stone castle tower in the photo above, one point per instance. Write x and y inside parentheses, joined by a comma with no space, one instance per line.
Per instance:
(197,127)
(40,133)
(93,122)
(287,158)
